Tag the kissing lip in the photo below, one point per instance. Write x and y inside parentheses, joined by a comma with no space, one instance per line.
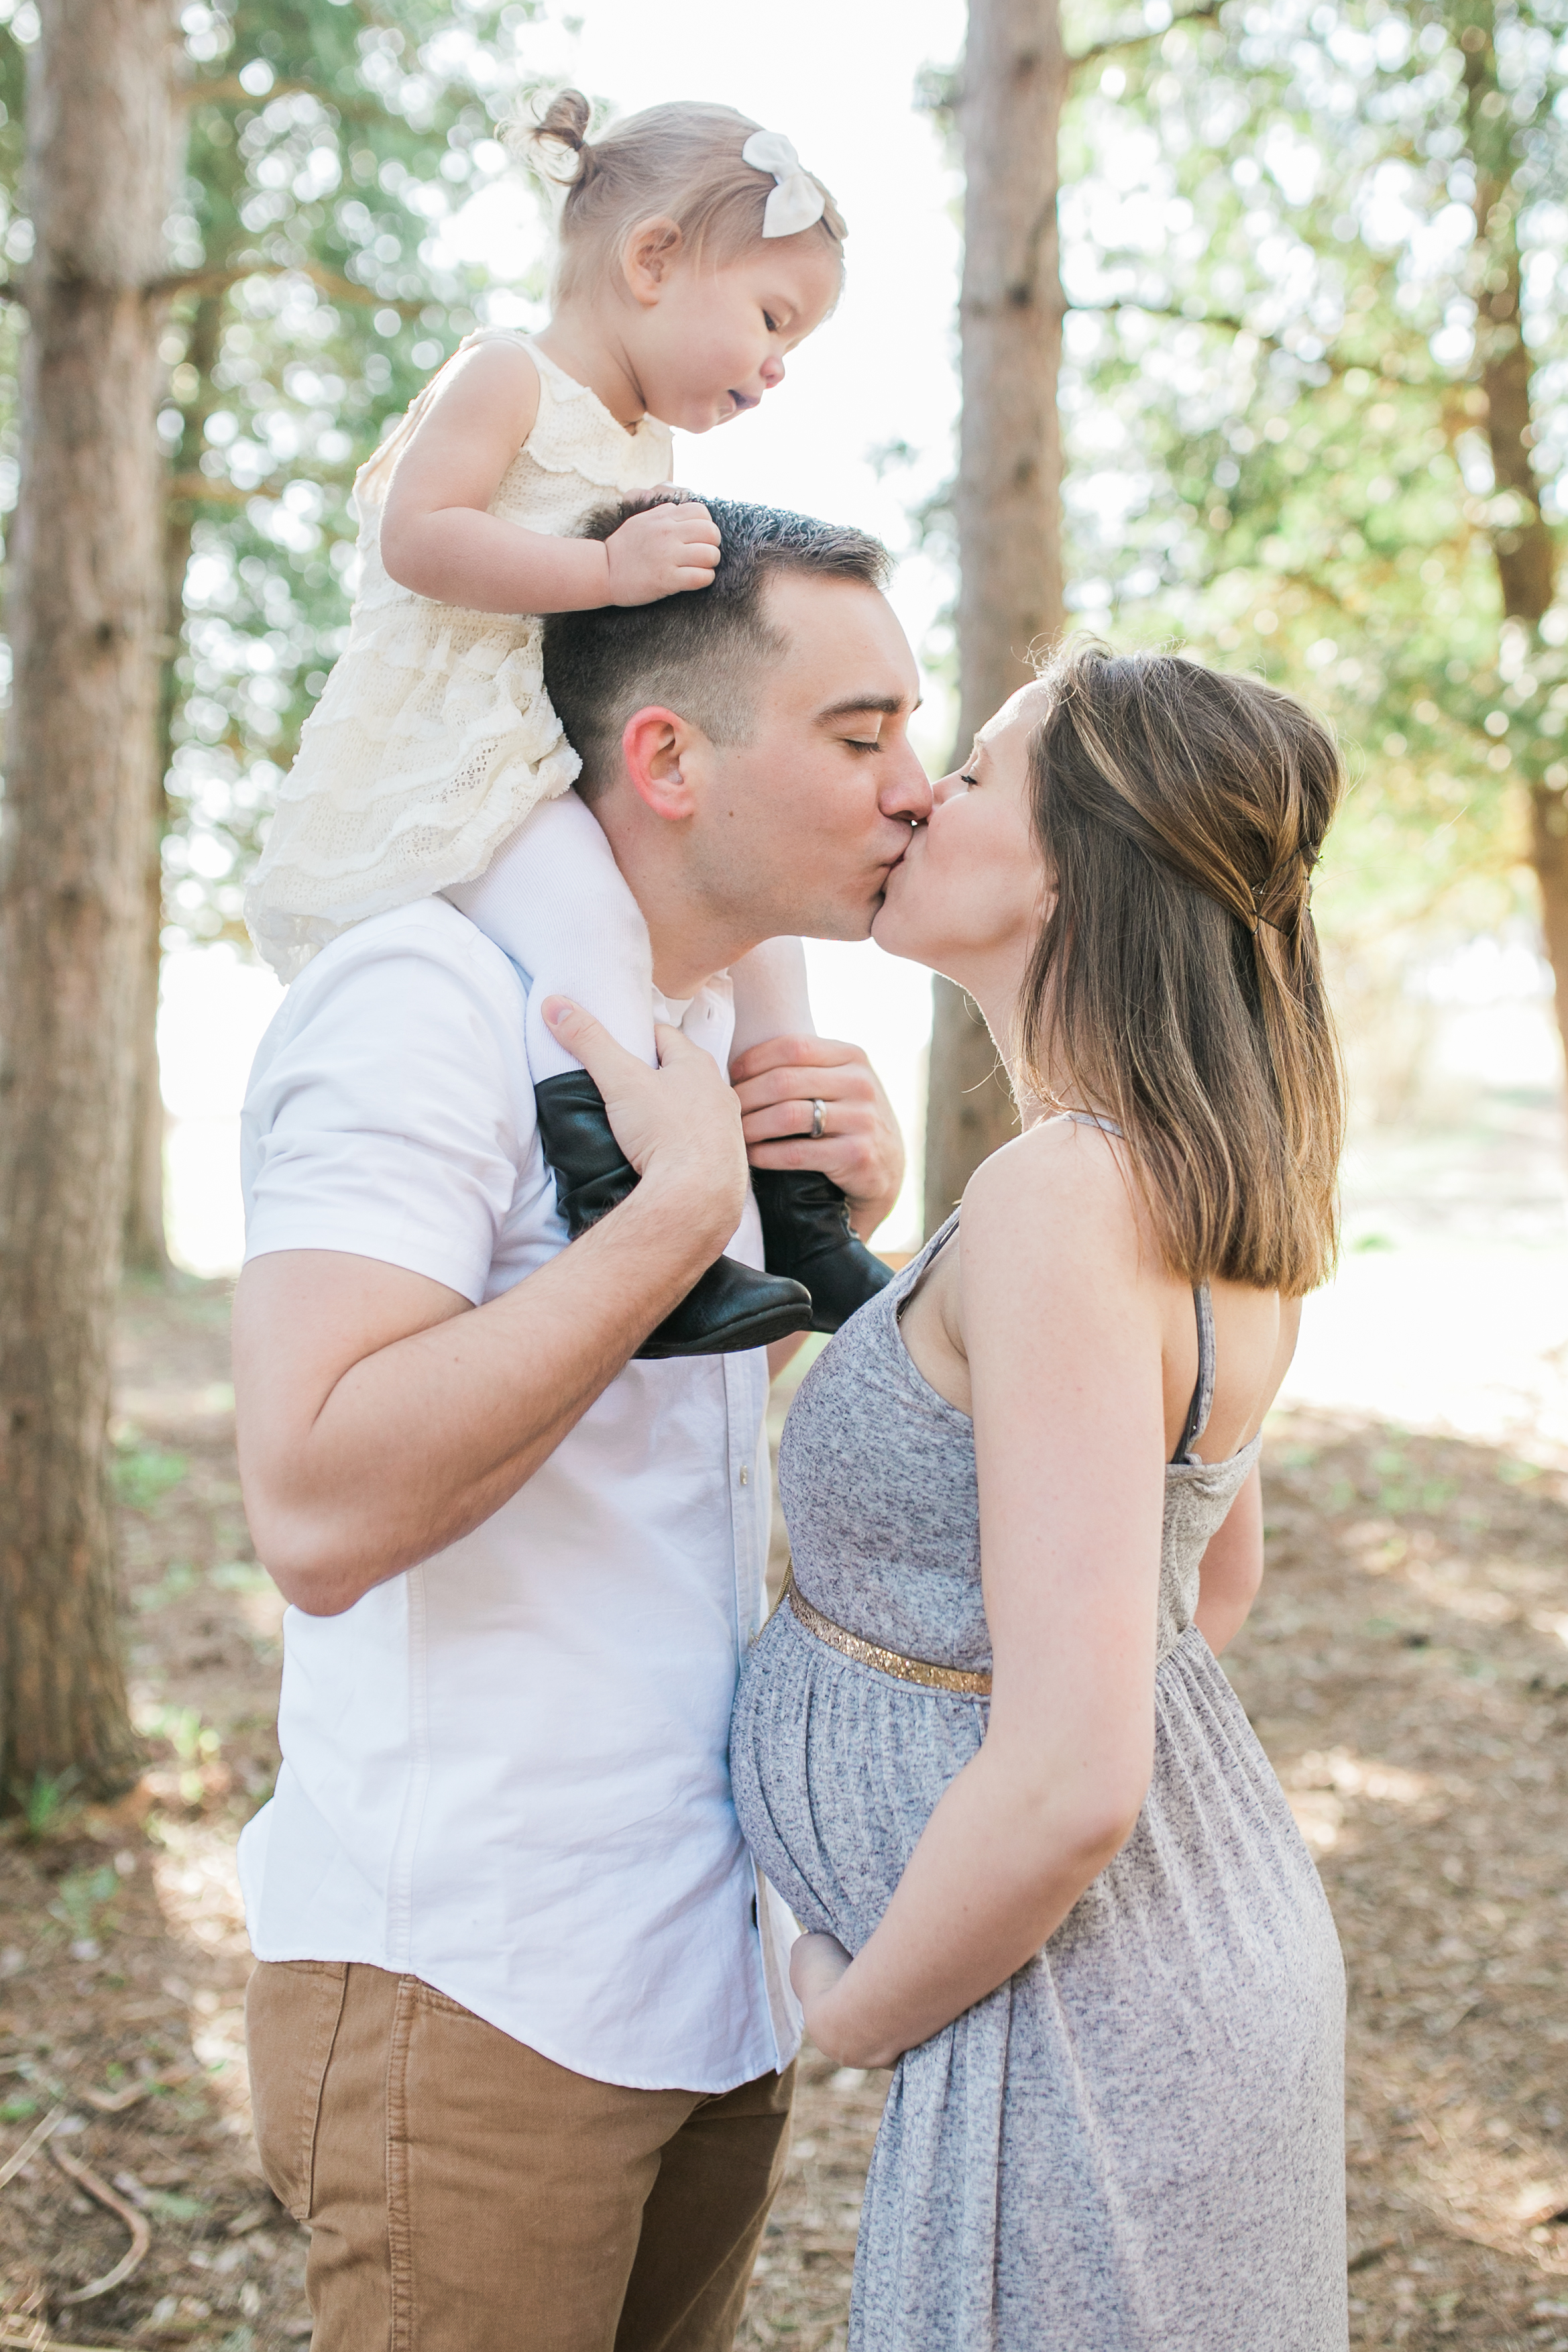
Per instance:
(890,869)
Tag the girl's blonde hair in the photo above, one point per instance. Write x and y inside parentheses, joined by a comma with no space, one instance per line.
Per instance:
(1177,985)
(681,163)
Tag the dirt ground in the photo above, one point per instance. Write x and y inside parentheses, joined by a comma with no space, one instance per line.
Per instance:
(1406,1668)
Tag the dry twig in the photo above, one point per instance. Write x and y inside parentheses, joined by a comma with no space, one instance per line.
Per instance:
(31,2145)
(140,2234)
(17,2339)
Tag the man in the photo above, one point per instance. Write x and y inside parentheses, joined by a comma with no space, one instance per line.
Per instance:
(522,2038)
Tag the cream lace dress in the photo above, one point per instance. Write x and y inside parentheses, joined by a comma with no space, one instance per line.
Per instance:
(435,737)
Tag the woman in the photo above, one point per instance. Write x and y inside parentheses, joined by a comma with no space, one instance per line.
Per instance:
(984,1746)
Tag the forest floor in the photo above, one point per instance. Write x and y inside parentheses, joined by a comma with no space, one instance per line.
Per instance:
(1406,1668)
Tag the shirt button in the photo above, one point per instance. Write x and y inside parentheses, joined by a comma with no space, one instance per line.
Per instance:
(745,1475)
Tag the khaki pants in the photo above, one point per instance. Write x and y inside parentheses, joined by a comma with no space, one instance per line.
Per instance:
(464,2194)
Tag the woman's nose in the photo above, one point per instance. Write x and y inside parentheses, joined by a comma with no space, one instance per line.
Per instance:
(772,373)
(947,788)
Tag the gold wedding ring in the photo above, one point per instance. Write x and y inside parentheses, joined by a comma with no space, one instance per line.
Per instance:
(819,1118)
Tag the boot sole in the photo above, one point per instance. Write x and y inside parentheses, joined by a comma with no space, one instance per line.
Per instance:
(755,1331)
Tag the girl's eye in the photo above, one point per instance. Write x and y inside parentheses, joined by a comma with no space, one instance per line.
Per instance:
(770,323)
(964,777)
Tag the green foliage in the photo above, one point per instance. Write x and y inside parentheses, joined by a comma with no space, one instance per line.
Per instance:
(143,1473)
(178,1578)
(1302,244)
(195,1743)
(84,1903)
(45,1802)
(327,144)
(327,148)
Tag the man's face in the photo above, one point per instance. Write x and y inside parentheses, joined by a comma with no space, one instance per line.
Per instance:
(797,829)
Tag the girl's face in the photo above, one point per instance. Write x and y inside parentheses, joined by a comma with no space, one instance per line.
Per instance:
(971,890)
(707,343)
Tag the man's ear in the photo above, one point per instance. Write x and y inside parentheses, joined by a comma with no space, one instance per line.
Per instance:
(648,255)
(655,743)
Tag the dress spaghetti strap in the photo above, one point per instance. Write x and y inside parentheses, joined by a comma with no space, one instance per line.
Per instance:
(1198,1411)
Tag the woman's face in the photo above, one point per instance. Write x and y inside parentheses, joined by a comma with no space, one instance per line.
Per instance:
(971,890)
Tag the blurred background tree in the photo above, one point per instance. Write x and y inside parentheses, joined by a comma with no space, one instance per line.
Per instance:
(1316,405)
(82,618)
(1003,104)
(324,147)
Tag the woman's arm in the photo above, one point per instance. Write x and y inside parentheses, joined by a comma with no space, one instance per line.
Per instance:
(1232,1567)
(1063,1334)
(439,538)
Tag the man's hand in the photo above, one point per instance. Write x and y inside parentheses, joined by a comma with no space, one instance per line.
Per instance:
(663,550)
(677,1125)
(859,1147)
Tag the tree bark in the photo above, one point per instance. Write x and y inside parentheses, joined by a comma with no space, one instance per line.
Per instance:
(85,613)
(1008,495)
(146,1240)
(146,1234)
(1523,547)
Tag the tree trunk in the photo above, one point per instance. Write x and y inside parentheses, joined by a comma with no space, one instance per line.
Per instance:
(1522,547)
(86,610)
(146,1235)
(145,1241)
(1008,496)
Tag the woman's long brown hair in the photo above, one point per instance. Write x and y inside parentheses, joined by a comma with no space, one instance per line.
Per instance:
(1177,986)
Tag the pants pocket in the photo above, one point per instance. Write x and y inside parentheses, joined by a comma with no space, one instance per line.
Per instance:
(291,2013)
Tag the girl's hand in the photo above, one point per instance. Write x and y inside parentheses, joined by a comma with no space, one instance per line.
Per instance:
(660,551)
(679,1125)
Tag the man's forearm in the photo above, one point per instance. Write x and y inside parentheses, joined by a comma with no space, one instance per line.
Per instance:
(420,1439)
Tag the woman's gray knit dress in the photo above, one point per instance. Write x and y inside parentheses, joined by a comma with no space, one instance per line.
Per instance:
(1136,2144)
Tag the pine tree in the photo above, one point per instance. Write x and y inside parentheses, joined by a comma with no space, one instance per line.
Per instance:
(83,620)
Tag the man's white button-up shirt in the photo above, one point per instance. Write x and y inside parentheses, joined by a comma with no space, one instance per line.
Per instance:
(505,1771)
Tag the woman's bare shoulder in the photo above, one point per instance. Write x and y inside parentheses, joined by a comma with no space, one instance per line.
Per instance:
(1058,1193)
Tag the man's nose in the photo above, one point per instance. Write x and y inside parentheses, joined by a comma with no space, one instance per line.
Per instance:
(906,789)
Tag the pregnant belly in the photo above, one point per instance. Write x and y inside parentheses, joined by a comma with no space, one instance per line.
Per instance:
(836,1769)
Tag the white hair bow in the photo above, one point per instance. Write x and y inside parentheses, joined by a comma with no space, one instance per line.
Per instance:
(796,202)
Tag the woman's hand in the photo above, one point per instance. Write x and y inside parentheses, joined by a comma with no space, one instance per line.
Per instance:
(815,1964)
(818,1966)
(679,1125)
(860,1147)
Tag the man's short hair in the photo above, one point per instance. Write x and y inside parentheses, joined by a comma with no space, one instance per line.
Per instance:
(697,652)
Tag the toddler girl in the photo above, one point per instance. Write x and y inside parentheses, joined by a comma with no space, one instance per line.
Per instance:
(694,254)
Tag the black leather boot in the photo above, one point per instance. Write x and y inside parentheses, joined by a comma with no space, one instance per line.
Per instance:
(807,1229)
(728,1307)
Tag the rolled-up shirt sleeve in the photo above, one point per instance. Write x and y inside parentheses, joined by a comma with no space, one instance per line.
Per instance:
(389,1110)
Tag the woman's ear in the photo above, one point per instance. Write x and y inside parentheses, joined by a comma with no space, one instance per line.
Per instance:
(654,744)
(647,258)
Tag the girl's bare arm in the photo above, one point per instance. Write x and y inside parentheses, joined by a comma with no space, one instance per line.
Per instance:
(439,538)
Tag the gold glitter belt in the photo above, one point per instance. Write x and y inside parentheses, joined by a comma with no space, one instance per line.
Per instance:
(967,1682)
